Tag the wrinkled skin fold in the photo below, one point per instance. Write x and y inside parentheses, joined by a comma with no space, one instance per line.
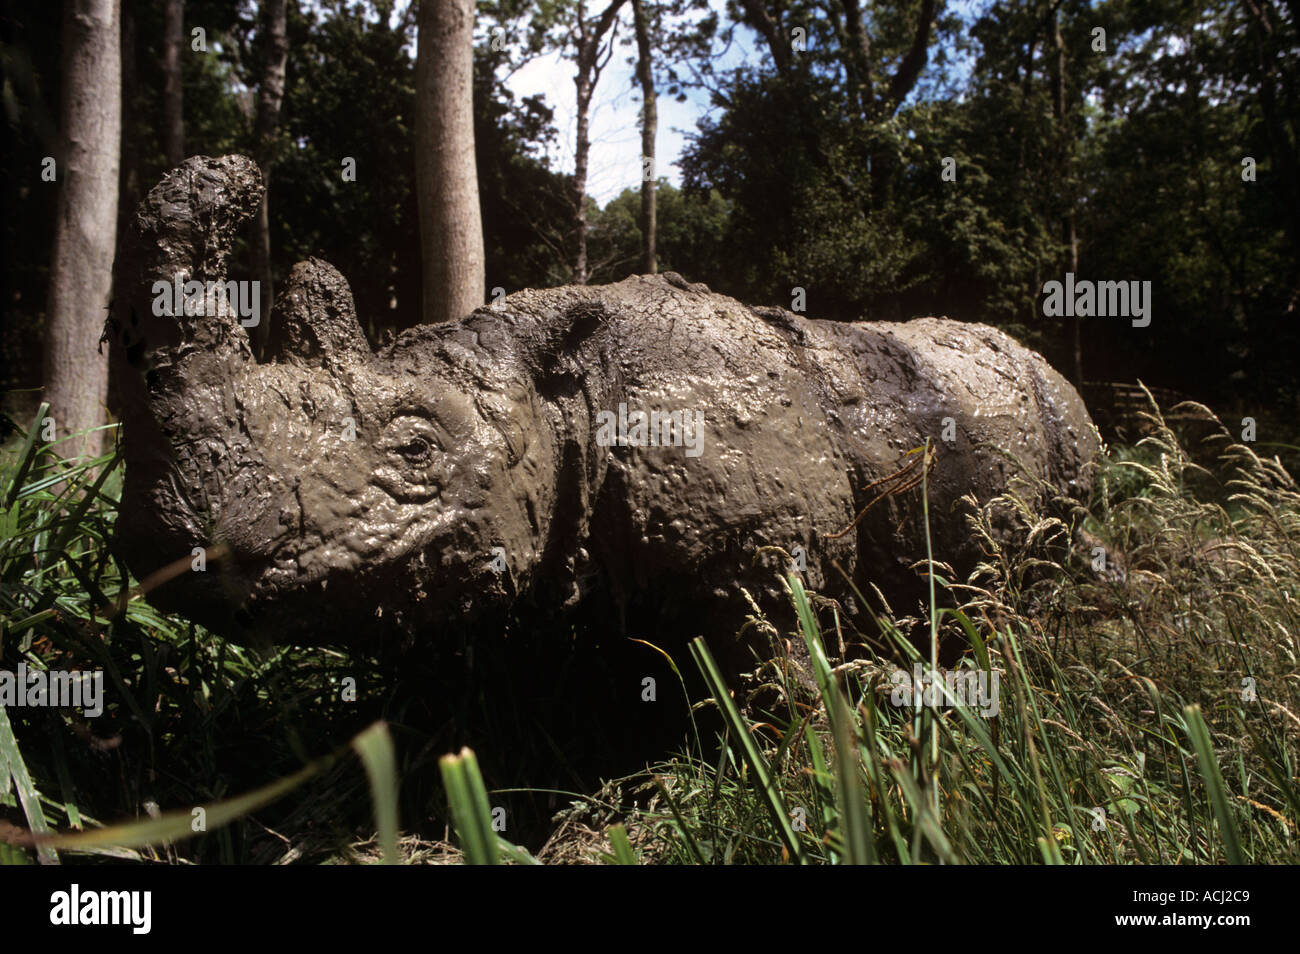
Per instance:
(465,474)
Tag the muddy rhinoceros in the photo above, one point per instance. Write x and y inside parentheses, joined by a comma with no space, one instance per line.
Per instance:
(628,448)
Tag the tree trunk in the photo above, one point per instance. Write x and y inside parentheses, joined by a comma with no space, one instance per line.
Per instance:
(1072,243)
(771,30)
(589,66)
(129,174)
(269,97)
(1068,234)
(857,59)
(81,266)
(451,224)
(173,97)
(649,124)
(582,147)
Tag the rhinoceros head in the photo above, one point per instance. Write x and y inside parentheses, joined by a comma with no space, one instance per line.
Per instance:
(323,473)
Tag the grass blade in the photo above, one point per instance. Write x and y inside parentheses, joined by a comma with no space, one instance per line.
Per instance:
(623,853)
(471,811)
(12,765)
(1209,766)
(375,748)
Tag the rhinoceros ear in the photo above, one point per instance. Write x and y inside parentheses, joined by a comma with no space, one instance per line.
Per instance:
(314,322)
(548,328)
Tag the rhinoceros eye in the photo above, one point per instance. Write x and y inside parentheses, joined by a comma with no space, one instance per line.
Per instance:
(412,441)
(417,450)
(413,465)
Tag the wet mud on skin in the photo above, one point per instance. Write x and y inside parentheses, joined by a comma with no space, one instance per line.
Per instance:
(459,483)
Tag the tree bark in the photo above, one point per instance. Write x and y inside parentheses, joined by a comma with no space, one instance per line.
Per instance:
(909,70)
(582,147)
(1069,235)
(649,124)
(589,67)
(769,28)
(858,57)
(129,174)
(81,266)
(451,224)
(270,95)
(173,94)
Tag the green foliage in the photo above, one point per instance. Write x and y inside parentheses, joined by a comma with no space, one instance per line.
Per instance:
(691,230)
(1163,175)
(840,193)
